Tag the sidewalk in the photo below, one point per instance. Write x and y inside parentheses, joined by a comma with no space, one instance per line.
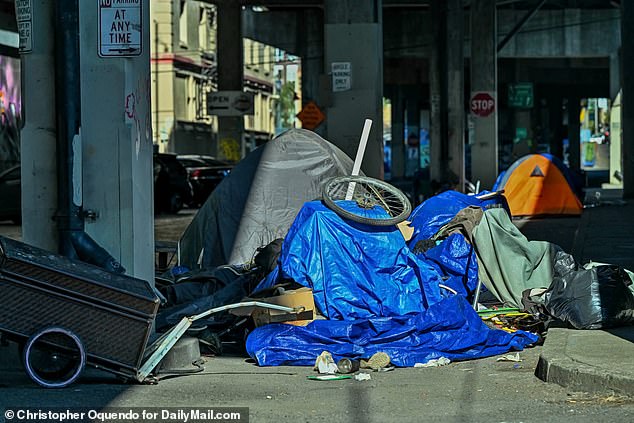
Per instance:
(596,360)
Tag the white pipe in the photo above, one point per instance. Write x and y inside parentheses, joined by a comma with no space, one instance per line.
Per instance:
(170,339)
(356,168)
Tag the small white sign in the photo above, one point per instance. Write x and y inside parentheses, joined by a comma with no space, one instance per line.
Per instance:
(120,29)
(341,76)
(603,103)
(25,24)
(230,103)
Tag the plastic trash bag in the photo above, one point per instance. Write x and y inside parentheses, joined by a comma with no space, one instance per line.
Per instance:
(590,298)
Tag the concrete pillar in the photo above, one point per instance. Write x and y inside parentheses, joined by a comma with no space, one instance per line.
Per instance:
(353,34)
(455,93)
(310,47)
(412,162)
(116,139)
(38,149)
(615,74)
(484,151)
(627,99)
(574,136)
(398,132)
(555,124)
(230,72)
(522,118)
(438,91)
(310,41)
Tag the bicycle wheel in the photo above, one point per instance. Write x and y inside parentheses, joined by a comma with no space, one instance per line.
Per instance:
(366,200)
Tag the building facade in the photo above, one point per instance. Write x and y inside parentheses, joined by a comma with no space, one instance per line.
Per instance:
(183,66)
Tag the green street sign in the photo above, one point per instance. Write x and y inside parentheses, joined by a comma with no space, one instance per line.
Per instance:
(521,95)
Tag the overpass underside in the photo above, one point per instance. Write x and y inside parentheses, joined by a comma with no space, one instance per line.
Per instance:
(434,57)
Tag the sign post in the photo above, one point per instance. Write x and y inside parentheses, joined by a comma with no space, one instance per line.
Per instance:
(311,116)
(520,95)
(24,15)
(230,103)
(482,103)
(120,28)
(341,76)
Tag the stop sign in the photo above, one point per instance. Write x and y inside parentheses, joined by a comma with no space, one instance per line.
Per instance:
(482,104)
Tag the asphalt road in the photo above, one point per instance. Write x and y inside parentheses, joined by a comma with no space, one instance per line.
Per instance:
(484,390)
(167,227)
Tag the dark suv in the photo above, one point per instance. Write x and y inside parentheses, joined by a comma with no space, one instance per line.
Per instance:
(172,189)
(205,173)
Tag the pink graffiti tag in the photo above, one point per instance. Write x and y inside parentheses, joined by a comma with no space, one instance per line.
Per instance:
(130,106)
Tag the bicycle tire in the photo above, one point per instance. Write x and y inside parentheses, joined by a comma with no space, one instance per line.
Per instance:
(390,198)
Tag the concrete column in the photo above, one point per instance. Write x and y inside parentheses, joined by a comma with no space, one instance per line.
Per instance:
(455,93)
(437,91)
(398,131)
(627,100)
(116,139)
(38,149)
(310,39)
(615,74)
(353,33)
(412,149)
(574,136)
(522,118)
(555,124)
(484,151)
(230,72)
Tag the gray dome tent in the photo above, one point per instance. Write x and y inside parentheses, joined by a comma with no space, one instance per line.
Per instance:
(257,202)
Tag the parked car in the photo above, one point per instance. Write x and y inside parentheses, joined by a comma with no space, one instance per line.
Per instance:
(172,189)
(10,206)
(205,173)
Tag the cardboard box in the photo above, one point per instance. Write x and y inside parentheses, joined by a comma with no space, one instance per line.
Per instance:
(406,230)
(298,298)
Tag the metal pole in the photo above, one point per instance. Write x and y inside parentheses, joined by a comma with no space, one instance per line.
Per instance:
(68,105)
(156,82)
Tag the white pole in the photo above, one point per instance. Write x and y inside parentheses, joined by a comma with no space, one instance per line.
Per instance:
(365,134)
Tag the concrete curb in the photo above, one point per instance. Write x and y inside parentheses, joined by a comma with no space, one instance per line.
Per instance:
(556,366)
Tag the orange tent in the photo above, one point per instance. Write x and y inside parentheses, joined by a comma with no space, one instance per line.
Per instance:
(539,184)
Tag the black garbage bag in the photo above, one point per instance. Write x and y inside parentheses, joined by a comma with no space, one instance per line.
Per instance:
(589,298)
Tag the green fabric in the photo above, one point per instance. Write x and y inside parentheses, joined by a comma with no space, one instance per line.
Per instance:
(508,263)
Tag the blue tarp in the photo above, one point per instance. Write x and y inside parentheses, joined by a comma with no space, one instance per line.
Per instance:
(354,270)
(377,295)
(437,211)
(455,260)
(449,328)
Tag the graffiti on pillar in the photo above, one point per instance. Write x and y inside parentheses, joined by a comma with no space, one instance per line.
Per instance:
(130,106)
(10,112)
(140,120)
(229,149)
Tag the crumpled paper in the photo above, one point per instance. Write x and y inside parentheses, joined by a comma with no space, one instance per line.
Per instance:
(325,364)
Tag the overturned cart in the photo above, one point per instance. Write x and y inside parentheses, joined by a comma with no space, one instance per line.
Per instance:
(66,314)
